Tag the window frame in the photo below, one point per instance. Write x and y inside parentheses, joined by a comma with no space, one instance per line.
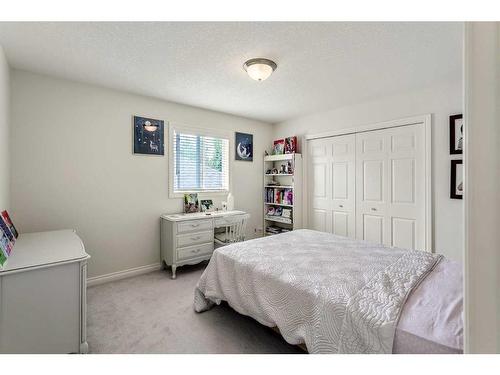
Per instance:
(172,128)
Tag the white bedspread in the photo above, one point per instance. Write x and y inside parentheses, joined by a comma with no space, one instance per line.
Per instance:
(334,294)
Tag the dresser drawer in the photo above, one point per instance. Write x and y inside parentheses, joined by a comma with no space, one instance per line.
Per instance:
(195,238)
(194,225)
(195,251)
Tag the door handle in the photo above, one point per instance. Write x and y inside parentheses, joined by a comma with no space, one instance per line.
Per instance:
(373,209)
(341,205)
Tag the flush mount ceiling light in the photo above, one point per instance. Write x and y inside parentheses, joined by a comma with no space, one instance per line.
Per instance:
(260,69)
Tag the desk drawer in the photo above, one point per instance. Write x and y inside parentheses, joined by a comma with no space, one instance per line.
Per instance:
(194,225)
(195,238)
(195,251)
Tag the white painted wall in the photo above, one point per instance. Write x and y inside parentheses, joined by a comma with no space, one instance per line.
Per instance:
(482,168)
(4,132)
(441,101)
(73,167)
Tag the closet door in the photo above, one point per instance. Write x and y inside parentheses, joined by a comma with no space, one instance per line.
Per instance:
(342,167)
(391,182)
(331,185)
(371,187)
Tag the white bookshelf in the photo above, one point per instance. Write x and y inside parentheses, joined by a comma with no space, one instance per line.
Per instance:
(286,183)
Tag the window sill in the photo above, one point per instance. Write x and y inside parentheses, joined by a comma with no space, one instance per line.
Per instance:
(180,194)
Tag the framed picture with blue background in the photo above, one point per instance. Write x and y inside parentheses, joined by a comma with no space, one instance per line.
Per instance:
(148,136)
(243,146)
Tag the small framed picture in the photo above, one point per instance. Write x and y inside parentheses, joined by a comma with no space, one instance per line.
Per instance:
(291,145)
(148,136)
(457,179)
(279,147)
(244,146)
(207,205)
(456,134)
(191,203)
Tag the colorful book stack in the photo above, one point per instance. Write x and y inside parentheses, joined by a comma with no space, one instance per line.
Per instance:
(279,196)
(8,235)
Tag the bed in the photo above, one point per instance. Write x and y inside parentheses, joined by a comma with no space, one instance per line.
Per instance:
(332,294)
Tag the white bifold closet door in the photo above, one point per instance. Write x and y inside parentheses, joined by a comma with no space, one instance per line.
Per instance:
(370,185)
(390,186)
(332,185)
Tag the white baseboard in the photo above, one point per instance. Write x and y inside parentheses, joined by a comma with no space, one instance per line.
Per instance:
(114,276)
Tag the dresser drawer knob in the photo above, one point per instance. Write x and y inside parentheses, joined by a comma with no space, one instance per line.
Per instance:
(195,251)
(196,238)
(195,225)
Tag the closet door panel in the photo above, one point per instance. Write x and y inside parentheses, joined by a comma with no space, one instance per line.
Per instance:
(340,223)
(371,187)
(406,208)
(331,188)
(319,189)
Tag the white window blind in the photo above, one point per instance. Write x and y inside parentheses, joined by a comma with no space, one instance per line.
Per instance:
(201,163)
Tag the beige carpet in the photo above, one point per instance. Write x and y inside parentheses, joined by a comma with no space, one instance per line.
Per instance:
(154,314)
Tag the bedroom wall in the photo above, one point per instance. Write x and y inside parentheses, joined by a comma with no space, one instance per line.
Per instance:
(73,167)
(482,168)
(4,132)
(441,101)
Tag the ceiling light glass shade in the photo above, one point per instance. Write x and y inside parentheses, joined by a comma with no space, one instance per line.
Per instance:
(260,69)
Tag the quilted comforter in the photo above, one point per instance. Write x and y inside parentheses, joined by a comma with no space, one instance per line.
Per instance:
(331,293)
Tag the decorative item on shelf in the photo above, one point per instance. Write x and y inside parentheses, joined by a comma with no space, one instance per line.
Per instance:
(270,211)
(283,169)
(191,203)
(148,136)
(243,146)
(224,206)
(288,196)
(268,171)
(8,222)
(278,211)
(291,145)
(456,134)
(207,205)
(457,179)
(273,183)
(266,153)
(286,213)
(279,147)
(289,167)
(8,235)
(274,171)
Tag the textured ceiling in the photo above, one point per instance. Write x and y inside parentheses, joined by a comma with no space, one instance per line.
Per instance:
(320,65)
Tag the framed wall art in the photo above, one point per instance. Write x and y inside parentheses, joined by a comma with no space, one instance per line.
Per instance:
(244,146)
(456,134)
(148,136)
(457,179)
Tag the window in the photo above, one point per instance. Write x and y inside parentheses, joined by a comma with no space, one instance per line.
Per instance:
(200,162)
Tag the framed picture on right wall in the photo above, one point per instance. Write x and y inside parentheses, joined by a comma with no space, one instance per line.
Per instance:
(457,179)
(456,134)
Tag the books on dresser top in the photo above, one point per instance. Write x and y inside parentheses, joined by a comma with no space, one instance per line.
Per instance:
(8,235)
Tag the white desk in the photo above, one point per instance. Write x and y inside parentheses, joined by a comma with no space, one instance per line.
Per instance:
(189,238)
(43,295)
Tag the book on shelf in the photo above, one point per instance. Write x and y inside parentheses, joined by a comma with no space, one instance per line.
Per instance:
(279,196)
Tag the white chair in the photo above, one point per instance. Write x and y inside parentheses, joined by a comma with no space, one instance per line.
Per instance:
(234,229)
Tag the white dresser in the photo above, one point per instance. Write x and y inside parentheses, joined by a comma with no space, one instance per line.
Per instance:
(43,295)
(189,238)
